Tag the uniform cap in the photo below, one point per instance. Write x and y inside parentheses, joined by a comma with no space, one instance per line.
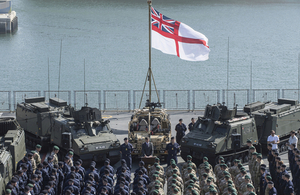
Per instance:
(71,153)
(254,153)
(283,165)
(176,190)
(56,148)
(269,178)
(227,176)
(172,137)
(221,157)
(287,175)
(25,159)
(189,157)
(189,168)
(205,158)
(252,147)
(157,159)
(271,182)
(33,151)
(30,185)
(38,146)
(174,175)
(249,141)
(190,187)
(7,191)
(14,180)
(180,119)
(247,177)
(125,138)
(208,180)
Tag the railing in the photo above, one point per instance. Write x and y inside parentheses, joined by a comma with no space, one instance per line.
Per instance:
(128,100)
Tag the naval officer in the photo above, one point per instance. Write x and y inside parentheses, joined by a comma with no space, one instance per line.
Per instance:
(173,148)
(126,150)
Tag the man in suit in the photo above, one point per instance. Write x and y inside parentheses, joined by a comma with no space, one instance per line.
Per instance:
(147,148)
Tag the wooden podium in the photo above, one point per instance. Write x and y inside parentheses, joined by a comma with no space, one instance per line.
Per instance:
(149,161)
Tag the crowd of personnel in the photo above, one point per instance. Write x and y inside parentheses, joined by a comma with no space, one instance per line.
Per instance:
(54,177)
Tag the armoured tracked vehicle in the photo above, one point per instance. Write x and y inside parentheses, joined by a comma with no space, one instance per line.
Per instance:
(155,125)
(282,116)
(12,148)
(223,132)
(56,123)
(219,132)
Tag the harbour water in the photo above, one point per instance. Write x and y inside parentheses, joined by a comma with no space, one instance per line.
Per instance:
(112,37)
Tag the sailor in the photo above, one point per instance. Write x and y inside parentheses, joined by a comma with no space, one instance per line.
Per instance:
(126,150)
(191,125)
(54,154)
(180,129)
(173,149)
(272,189)
(288,189)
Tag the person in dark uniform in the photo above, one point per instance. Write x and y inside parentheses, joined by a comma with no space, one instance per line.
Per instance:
(180,131)
(272,190)
(288,189)
(126,150)
(147,148)
(191,125)
(173,148)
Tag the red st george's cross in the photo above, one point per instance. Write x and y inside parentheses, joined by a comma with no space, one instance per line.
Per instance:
(169,28)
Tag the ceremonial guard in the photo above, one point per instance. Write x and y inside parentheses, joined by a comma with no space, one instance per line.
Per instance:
(173,149)
(126,150)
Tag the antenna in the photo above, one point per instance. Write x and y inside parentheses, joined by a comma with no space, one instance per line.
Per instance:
(227,72)
(59,69)
(250,86)
(84,94)
(49,79)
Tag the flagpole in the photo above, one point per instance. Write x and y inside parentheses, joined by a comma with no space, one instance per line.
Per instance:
(149,70)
